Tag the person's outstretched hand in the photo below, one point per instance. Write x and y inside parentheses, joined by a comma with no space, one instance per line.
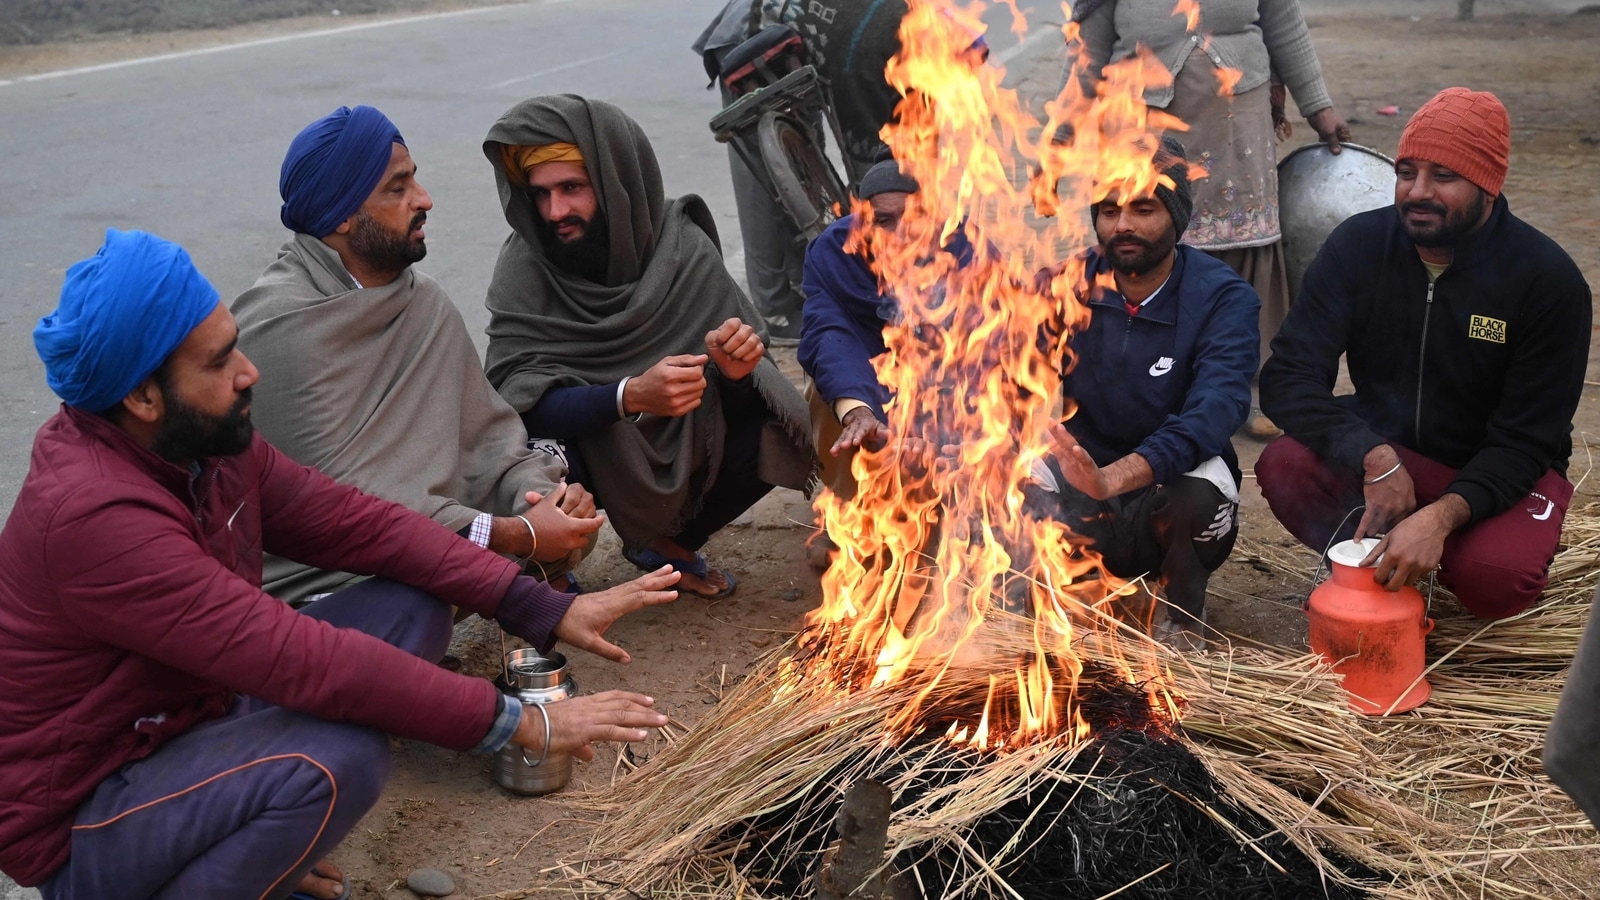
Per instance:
(1078,466)
(861,429)
(584,626)
(1330,127)
(735,348)
(578,722)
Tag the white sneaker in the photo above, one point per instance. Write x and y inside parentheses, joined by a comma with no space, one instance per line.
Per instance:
(1182,638)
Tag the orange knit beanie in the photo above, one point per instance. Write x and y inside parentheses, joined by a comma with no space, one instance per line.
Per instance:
(1466,131)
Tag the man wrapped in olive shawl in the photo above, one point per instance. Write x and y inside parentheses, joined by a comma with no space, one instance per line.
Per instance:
(565,336)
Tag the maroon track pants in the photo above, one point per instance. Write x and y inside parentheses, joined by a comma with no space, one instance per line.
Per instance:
(1496,567)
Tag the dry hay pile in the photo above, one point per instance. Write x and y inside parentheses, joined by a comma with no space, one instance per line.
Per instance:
(1310,799)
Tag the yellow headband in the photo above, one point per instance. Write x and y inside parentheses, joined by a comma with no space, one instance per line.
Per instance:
(520,160)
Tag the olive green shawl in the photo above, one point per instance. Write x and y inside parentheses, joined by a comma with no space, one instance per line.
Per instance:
(666,287)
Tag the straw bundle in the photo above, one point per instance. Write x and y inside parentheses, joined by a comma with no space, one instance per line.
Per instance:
(1447,801)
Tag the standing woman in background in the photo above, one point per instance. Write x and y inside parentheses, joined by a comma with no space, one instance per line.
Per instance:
(1232,136)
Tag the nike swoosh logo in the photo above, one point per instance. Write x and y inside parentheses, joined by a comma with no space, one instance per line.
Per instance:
(1549,507)
(235,515)
(1158,369)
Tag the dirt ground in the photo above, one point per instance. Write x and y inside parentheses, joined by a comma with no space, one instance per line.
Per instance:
(442,809)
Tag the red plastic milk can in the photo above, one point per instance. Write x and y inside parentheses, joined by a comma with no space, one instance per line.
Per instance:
(1373,637)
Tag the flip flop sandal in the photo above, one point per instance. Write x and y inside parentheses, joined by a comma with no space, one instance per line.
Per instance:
(649,560)
(344,892)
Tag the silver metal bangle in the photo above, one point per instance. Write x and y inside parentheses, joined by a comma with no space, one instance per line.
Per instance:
(545,750)
(531,533)
(622,385)
(1386,474)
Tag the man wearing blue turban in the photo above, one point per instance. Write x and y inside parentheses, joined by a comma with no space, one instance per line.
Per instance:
(370,375)
(123,311)
(166,728)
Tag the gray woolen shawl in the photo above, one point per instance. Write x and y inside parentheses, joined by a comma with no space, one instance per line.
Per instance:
(380,388)
(665,288)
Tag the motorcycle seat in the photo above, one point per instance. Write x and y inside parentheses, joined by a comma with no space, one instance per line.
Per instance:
(760,51)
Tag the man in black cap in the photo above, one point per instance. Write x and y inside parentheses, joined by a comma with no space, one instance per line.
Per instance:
(1157,384)
(842,328)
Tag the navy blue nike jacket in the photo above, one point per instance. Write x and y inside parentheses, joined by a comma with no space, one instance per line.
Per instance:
(1171,383)
(841,328)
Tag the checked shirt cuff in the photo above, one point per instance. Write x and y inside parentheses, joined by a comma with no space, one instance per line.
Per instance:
(505,725)
(478,531)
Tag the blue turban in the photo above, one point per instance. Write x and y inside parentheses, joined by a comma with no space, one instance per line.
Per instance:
(122,313)
(333,166)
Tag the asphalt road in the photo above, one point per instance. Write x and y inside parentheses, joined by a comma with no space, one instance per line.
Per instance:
(189,147)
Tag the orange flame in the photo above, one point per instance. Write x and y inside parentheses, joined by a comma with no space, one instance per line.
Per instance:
(1190,10)
(936,539)
(1227,80)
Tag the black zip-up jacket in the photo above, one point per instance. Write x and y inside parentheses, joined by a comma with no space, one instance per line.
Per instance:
(1481,370)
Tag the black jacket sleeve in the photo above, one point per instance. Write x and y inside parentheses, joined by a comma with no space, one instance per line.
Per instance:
(1529,430)
(1297,381)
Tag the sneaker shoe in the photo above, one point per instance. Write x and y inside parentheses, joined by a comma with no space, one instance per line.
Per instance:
(1261,428)
(783,331)
(1188,637)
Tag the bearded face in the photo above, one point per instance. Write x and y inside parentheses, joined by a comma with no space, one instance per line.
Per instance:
(384,250)
(578,246)
(188,433)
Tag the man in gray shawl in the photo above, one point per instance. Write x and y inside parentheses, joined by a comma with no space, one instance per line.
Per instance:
(368,372)
(616,327)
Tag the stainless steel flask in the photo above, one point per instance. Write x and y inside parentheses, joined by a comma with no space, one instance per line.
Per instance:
(534,679)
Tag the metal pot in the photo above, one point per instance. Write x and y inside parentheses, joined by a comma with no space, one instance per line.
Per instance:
(1317,190)
(534,679)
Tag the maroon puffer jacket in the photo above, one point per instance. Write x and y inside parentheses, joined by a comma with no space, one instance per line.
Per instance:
(131,609)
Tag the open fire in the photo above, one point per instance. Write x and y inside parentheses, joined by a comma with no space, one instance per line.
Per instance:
(937,539)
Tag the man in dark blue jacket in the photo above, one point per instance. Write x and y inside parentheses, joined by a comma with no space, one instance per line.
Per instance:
(842,330)
(1160,381)
(1466,332)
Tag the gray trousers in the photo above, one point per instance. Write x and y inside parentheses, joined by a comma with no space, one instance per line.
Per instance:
(1572,747)
(774,254)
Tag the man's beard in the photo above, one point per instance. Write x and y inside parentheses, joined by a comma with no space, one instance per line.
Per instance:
(383,250)
(1151,252)
(589,256)
(1452,227)
(187,433)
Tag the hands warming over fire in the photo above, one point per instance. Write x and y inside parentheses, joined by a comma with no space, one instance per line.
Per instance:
(861,429)
(578,722)
(1126,474)
(584,626)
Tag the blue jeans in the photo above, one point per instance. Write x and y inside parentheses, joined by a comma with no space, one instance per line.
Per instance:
(245,805)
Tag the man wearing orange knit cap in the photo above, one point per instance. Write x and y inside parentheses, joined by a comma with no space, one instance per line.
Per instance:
(1466,332)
